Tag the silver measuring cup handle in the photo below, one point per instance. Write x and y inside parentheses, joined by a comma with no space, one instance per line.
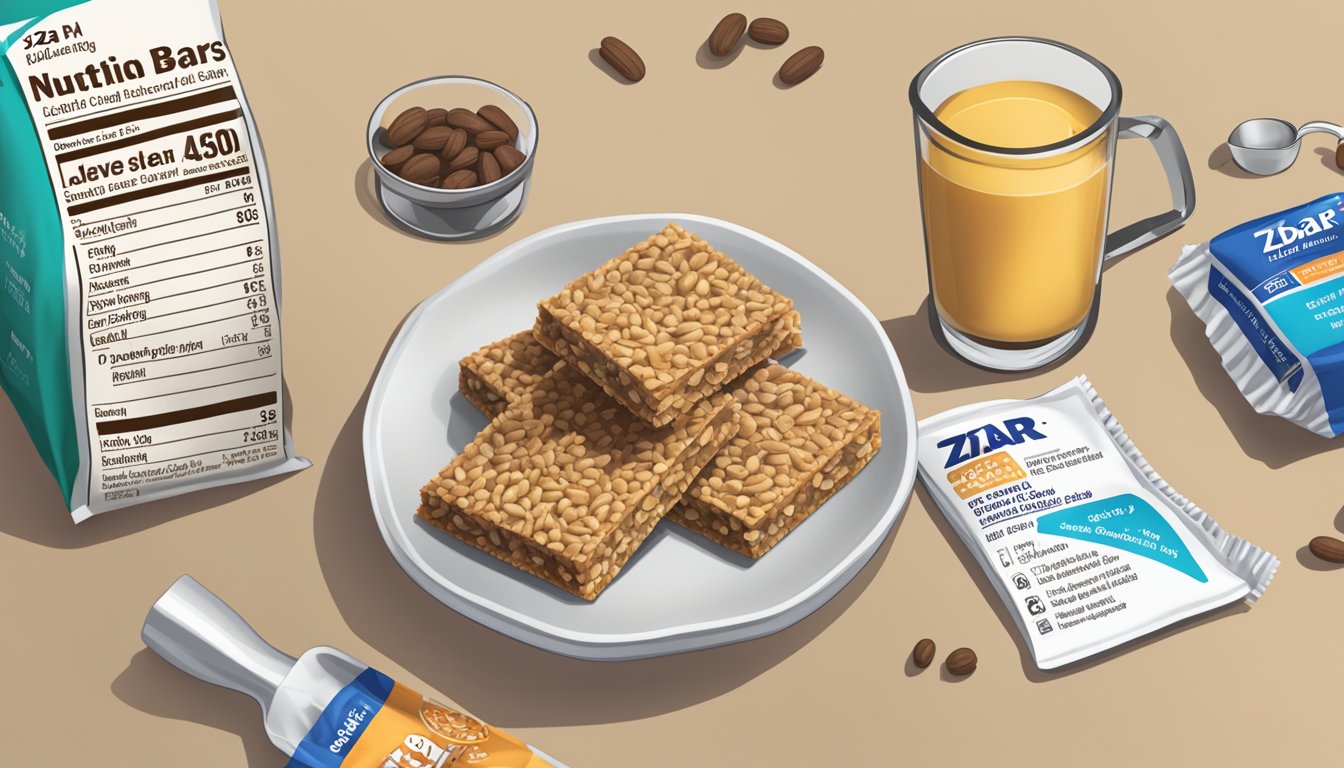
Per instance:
(201,635)
(1321,126)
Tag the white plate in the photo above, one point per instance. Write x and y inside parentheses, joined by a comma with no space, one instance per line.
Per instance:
(679,592)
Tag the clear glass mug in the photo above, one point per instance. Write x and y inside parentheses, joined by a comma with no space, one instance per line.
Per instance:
(1015,231)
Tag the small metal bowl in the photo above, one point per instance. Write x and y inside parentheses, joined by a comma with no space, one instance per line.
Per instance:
(453,214)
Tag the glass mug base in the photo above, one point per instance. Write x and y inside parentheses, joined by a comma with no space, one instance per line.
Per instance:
(1013,356)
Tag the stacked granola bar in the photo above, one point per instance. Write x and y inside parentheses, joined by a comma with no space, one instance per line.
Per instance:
(566,484)
(666,324)
(645,389)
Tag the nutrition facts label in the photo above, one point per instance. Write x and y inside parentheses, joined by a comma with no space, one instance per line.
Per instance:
(157,175)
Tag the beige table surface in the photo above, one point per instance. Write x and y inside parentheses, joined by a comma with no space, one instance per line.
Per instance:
(826,168)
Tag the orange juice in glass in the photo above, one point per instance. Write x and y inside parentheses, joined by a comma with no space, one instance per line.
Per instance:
(1015,140)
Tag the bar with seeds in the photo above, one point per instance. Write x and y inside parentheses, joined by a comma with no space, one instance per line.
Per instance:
(566,484)
(707,507)
(498,374)
(798,443)
(666,324)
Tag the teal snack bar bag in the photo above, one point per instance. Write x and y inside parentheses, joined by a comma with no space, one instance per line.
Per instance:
(139,310)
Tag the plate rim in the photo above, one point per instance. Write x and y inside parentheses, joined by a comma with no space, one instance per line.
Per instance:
(483,609)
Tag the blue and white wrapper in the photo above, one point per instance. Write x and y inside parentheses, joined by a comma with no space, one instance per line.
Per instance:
(1271,295)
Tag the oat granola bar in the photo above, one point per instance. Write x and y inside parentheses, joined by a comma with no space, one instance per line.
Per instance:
(798,443)
(566,484)
(497,374)
(666,324)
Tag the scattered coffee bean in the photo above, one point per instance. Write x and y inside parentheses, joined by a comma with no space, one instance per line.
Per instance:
(726,33)
(801,65)
(923,653)
(768,31)
(961,662)
(622,58)
(1328,548)
(1339,155)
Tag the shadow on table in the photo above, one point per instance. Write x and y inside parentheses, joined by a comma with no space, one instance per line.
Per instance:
(931,366)
(1029,668)
(1329,159)
(35,511)
(45,521)
(1307,559)
(157,688)
(500,679)
(1273,441)
(707,60)
(366,194)
(595,56)
(1220,160)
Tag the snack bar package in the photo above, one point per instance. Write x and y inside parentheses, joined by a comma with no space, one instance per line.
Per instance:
(139,321)
(324,709)
(1271,293)
(1086,544)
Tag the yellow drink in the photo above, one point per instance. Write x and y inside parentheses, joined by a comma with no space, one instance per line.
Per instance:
(1014,243)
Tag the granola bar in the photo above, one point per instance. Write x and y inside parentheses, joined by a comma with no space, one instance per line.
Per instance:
(566,484)
(799,442)
(499,373)
(666,324)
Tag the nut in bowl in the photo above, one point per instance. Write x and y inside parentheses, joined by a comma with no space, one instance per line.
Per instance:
(452,156)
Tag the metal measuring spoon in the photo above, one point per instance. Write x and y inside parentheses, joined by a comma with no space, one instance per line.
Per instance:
(1267,145)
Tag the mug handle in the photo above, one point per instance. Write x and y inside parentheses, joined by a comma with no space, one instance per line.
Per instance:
(1177,167)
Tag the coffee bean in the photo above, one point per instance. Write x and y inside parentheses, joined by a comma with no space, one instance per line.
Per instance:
(488,140)
(393,160)
(1327,548)
(726,34)
(407,126)
(487,168)
(923,653)
(509,158)
(500,119)
(768,31)
(460,180)
(801,65)
(452,148)
(432,139)
(622,58)
(961,662)
(421,169)
(468,121)
(465,159)
(455,144)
